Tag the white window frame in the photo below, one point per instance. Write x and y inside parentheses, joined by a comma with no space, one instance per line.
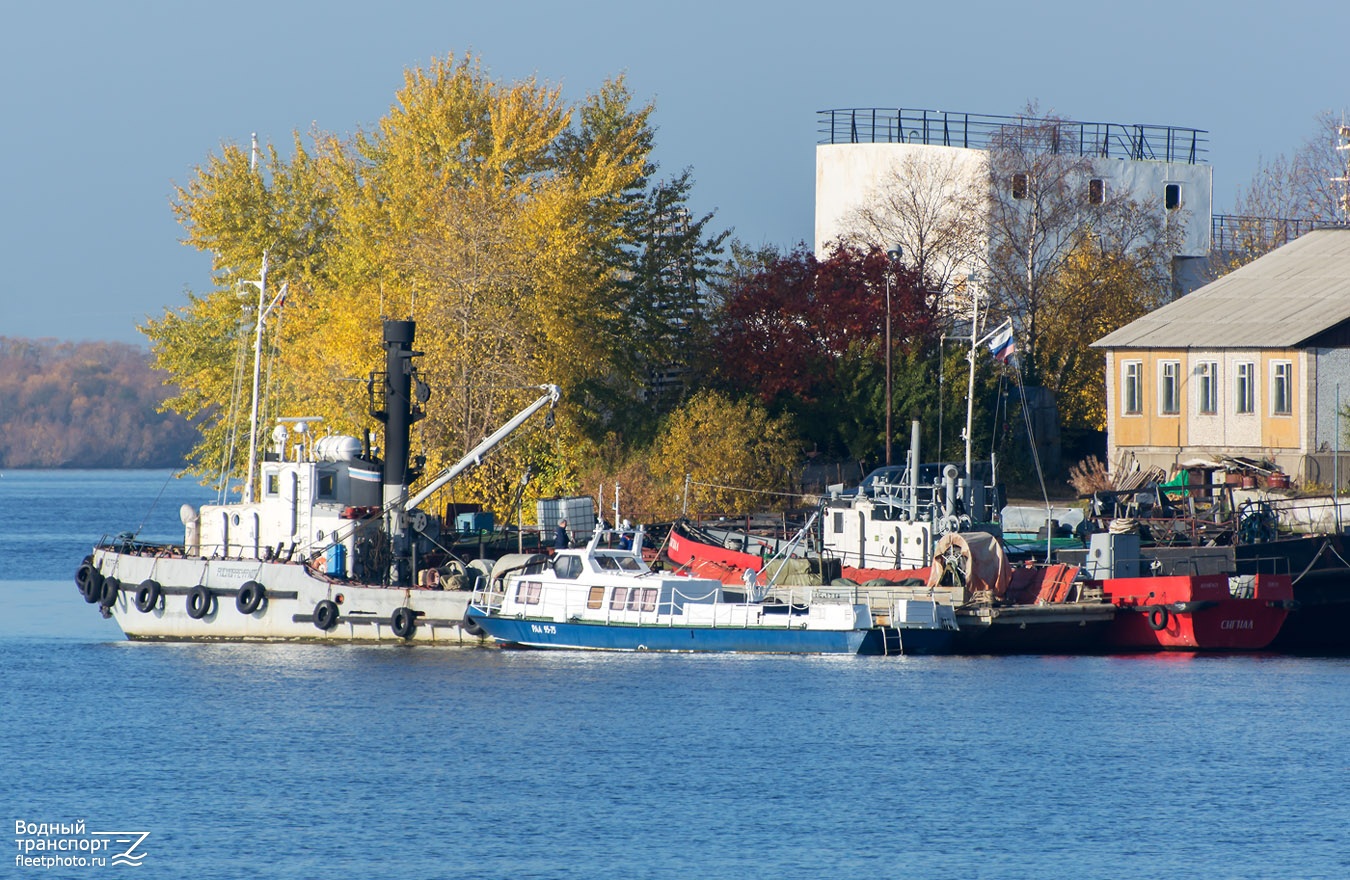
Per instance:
(1168,188)
(1281,386)
(1169,388)
(1099,184)
(1207,388)
(1131,380)
(1244,388)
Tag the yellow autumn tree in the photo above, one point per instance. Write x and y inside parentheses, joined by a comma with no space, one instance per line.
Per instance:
(1097,290)
(487,211)
(736,456)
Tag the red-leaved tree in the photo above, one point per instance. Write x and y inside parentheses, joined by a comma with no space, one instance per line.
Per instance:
(807,336)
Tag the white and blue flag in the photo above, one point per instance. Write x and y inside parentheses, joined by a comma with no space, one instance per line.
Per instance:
(1001,344)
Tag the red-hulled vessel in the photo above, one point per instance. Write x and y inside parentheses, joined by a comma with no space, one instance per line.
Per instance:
(1207,612)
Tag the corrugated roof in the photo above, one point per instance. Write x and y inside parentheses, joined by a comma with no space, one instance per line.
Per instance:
(1277,301)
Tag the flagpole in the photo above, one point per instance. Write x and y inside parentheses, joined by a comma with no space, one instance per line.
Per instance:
(970,388)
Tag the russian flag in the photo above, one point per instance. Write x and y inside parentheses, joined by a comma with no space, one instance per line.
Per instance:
(1001,344)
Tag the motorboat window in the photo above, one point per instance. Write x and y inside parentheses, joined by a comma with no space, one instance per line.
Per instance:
(648,598)
(527,592)
(608,563)
(618,598)
(629,563)
(567,566)
(596,599)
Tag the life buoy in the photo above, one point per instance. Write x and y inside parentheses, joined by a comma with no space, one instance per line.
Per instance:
(250,597)
(470,626)
(199,602)
(1157,618)
(147,596)
(326,614)
(108,594)
(403,622)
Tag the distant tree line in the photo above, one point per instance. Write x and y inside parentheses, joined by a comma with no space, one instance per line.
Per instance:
(85,405)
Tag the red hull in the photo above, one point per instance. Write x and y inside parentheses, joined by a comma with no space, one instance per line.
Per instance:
(1195,613)
(687,551)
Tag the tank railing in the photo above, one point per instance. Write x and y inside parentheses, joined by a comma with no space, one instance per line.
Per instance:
(1251,234)
(1106,140)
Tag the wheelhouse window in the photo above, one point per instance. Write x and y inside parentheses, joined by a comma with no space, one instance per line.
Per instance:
(1244,388)
(567,567)
(327,484)
(273,484)
(1207,378)
(527,592)
(1131,388)
(1281,388)
(1169,387)
(643,599)
(838,522)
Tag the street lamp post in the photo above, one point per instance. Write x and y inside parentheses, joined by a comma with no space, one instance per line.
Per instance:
(892,256)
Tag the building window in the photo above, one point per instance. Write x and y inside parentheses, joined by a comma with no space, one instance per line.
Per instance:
(1019,186)
(1207,375)
(1169,387)
(1172,196)
(1096,191)
(1245,389)
(1131,389)
(1281,388)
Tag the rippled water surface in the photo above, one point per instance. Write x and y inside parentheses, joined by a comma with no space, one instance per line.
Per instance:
(302,761)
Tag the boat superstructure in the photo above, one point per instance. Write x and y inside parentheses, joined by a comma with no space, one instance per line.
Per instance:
(331,548)
(596,598)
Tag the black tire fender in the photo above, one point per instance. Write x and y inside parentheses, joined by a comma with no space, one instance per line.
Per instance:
(93,587)
(147,596)
(326,614)
(199,600)
(403,622)
(83,576)
(108,593)
(1157,618)
(470,626)
(250,597)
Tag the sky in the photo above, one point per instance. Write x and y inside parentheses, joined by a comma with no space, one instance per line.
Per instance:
(107,106)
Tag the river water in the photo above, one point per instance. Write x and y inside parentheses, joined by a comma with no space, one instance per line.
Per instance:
(302,761)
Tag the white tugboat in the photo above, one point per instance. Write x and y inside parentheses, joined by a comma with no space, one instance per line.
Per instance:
(332,549)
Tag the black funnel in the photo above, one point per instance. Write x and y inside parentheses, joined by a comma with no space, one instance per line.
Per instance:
(398,379)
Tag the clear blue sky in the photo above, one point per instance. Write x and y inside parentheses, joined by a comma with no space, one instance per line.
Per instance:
(107,105)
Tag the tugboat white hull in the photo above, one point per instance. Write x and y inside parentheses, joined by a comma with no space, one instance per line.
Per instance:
(291,608)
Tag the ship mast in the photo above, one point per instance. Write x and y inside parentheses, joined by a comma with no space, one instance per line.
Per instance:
(264,309)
